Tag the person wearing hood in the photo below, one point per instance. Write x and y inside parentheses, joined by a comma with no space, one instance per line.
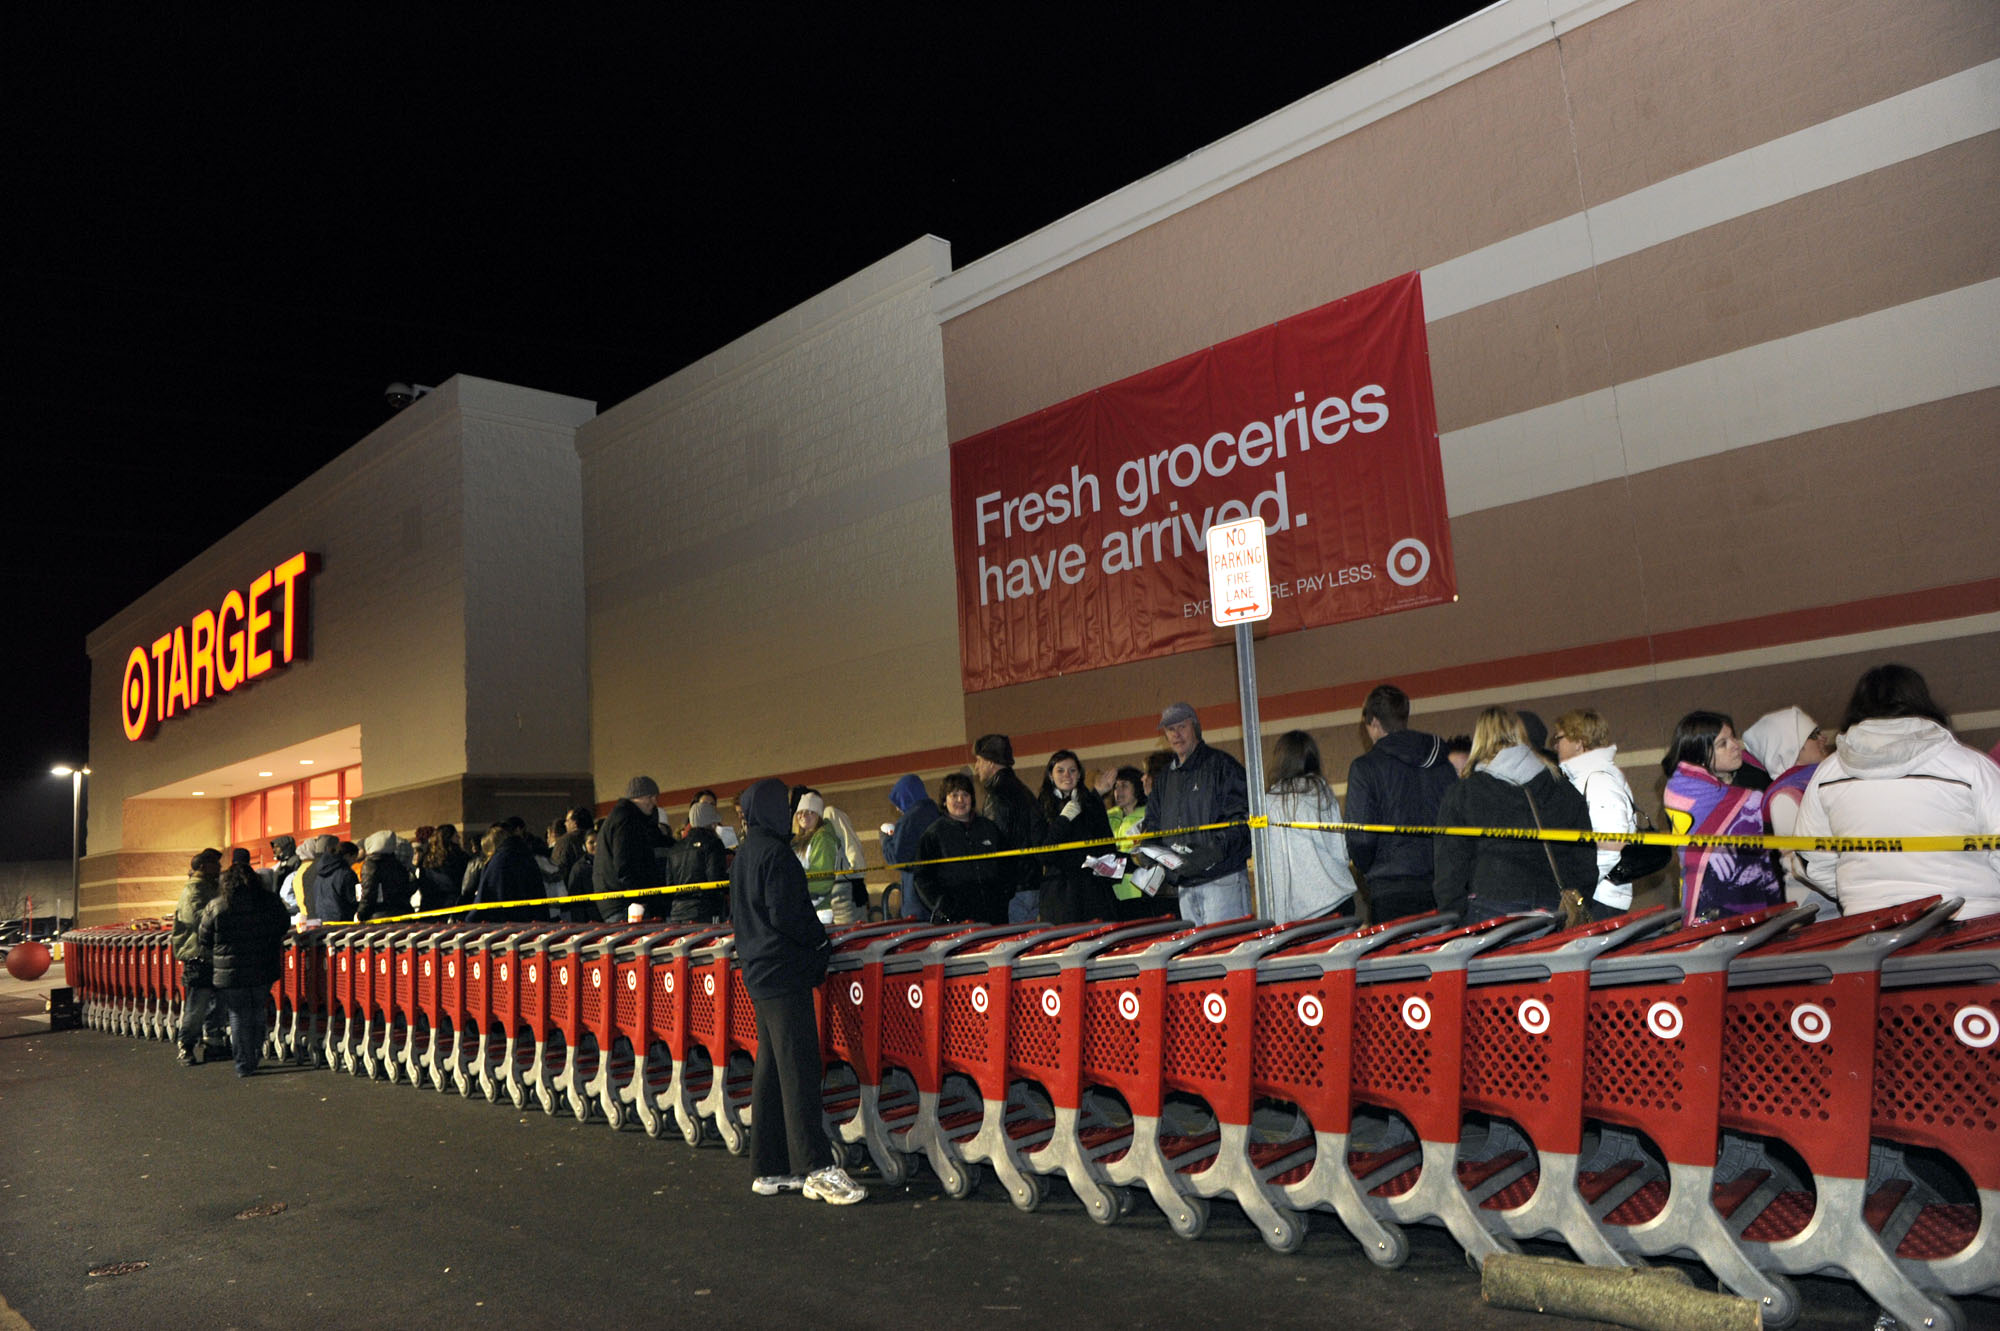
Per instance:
(201,1019)
(1897,771)
(243,930)
(1401,780)
(385,880)
(783,949)
(1590,760)
(284,863)
(333,887)
(293,889)
(1508,784)
(915,812)
(1009,807)
(1790,747)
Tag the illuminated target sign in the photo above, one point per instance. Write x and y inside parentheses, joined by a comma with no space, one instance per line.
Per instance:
(250,634)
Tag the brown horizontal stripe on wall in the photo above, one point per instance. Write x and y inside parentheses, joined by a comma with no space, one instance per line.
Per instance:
(1663,86)
(1892,236)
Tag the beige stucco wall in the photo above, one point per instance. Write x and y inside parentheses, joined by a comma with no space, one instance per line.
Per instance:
(406,590)
(767,549)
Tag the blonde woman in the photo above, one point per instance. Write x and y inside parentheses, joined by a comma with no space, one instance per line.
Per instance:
(1507,784)
(819,850)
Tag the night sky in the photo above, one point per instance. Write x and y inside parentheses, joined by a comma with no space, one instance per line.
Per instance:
(233,227)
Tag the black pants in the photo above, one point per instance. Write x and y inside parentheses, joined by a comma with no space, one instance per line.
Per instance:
(1393,898)
(785,1088)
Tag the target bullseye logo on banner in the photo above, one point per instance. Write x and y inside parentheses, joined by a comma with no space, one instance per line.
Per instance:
(1408,562)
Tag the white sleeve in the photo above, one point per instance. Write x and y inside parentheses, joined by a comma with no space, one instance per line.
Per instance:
(1815,866)
(1611,810)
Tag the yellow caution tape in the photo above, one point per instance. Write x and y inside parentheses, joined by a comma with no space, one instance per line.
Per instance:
(1985,841)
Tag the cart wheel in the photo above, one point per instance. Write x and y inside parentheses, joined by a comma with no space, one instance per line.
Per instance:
(736,1139)
(964,1185)
(691,1131)
(1783,1309)
(1288,1235)
(614,1115)
(856,1154)
(1034,1189)
(518,1093)
(1391,1251)
(1108,1207)
(1192,1220)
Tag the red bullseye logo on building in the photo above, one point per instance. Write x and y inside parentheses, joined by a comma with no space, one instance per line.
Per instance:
(1128,1005)
(1416,1014)
(1051,1002)
(1811,1023)
(979,999)
(1216,1008)
(1664,1020)
(1976,1027)
(1311,1011)
(1534,1017)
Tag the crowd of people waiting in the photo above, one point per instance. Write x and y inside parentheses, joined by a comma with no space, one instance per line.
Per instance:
(1892,767)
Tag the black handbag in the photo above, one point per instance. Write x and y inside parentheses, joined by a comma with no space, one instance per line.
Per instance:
(1640,859)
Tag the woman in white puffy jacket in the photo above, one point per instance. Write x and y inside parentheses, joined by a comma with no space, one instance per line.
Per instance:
(1897,771)
(1590,761)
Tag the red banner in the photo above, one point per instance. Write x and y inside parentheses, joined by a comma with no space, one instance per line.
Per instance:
(1080,531)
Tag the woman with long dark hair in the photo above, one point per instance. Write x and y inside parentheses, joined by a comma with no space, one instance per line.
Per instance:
(1307,873)
(1897,771)
(1072,893)
(1701,766)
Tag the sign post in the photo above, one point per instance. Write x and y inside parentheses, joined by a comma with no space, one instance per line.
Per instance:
(1239,595)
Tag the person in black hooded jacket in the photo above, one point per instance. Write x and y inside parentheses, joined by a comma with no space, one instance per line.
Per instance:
(782,949)
(1510,785)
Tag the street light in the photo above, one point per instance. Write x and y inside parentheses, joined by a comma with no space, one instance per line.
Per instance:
(76,776)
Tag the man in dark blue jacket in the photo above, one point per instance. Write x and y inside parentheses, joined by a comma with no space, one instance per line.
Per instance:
(782,948)
(1400,781)
(1202,785)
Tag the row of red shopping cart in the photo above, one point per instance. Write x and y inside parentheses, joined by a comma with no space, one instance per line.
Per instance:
(1769,1097)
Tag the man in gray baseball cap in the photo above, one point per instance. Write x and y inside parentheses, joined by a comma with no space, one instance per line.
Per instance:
(625,844)
(1202,785)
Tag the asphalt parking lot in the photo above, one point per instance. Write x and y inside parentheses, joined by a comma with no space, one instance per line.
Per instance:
(404,1207)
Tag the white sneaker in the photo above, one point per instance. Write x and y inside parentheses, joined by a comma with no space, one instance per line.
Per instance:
(770,1185)
(831,1185)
